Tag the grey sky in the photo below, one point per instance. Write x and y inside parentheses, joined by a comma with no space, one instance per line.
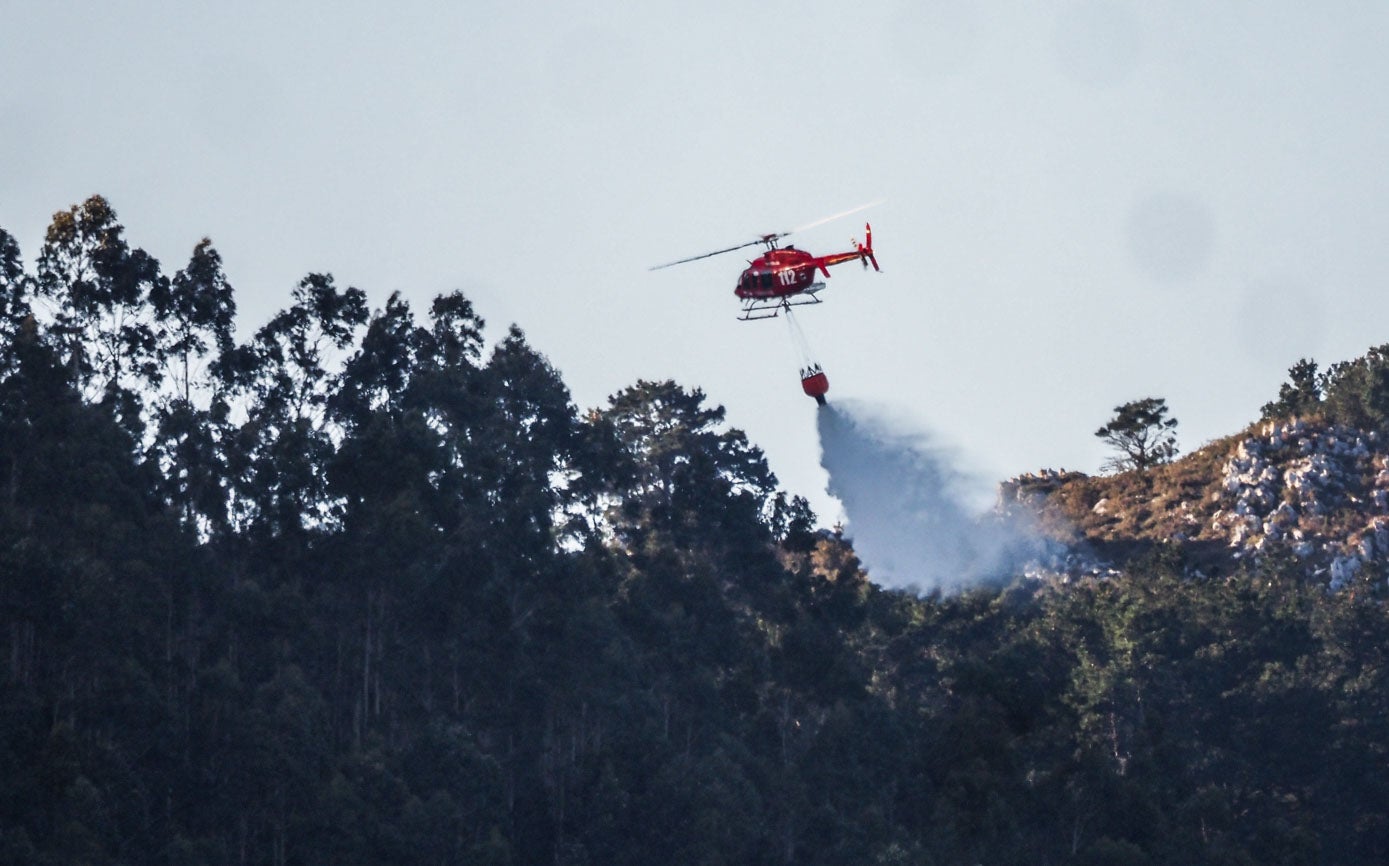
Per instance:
(1088,202)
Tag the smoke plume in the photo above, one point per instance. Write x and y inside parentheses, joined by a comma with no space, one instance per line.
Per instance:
(907,508)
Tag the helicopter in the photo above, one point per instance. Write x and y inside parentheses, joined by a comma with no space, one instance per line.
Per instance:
(783,277)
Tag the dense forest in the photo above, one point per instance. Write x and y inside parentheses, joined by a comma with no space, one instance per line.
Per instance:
(364,589)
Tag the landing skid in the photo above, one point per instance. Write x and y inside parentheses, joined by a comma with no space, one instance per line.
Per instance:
(770,308)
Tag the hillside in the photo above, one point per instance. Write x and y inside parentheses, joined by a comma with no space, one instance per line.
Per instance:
(1301,491)
(418,608)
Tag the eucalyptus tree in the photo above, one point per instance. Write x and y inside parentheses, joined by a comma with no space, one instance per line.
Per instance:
(511,437)
(194,315)
(376,377)
(535,436)
(446,391)
(691,520)
(381,474)
(14,305)
(411,417)
(98,288)
(285,376)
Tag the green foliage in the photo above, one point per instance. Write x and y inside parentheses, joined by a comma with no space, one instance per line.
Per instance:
(367,594)
(690,477)
(1352,393)
(1300,395)
(1142,433)
(101,287)
(1357,392)
(14,306)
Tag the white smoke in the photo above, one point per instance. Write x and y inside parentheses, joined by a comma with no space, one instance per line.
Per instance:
(907,510)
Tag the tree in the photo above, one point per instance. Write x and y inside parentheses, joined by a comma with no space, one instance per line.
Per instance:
(1143,434)
(688,471)
(194,315)
(375,379)
(13,306)
(280,452)
(100,287)
(1357,392)
(1300,395)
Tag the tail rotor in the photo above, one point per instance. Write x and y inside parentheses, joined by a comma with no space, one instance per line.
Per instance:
(865,250)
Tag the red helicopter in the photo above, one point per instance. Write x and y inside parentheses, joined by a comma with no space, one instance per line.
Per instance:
(782,278)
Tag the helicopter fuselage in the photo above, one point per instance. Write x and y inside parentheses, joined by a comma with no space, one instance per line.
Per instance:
(777,274)
(780,273)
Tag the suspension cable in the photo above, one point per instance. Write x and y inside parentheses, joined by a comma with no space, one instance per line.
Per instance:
(798,341)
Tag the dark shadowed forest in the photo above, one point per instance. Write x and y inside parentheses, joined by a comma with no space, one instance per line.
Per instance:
(364,589)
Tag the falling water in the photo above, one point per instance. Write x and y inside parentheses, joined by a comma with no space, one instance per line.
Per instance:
(908,506)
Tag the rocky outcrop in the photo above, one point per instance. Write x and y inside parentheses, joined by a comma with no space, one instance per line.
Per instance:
(1302,490)
(1317,491)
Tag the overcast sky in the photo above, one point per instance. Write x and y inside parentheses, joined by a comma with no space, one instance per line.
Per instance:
(1087,202)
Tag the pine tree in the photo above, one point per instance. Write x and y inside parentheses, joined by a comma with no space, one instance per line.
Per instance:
(1300,395)
(1142,433)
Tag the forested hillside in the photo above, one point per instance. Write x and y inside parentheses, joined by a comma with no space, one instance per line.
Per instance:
(365,589)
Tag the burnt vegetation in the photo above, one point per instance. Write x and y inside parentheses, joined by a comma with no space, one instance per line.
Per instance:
(363,589)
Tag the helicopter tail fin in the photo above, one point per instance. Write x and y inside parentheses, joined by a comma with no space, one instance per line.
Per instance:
(865,250)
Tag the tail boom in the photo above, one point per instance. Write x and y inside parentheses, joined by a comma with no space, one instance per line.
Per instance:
(863,252)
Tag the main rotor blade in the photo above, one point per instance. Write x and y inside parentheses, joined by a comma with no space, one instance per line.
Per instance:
(821,222)
(707,255)
(767,239)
